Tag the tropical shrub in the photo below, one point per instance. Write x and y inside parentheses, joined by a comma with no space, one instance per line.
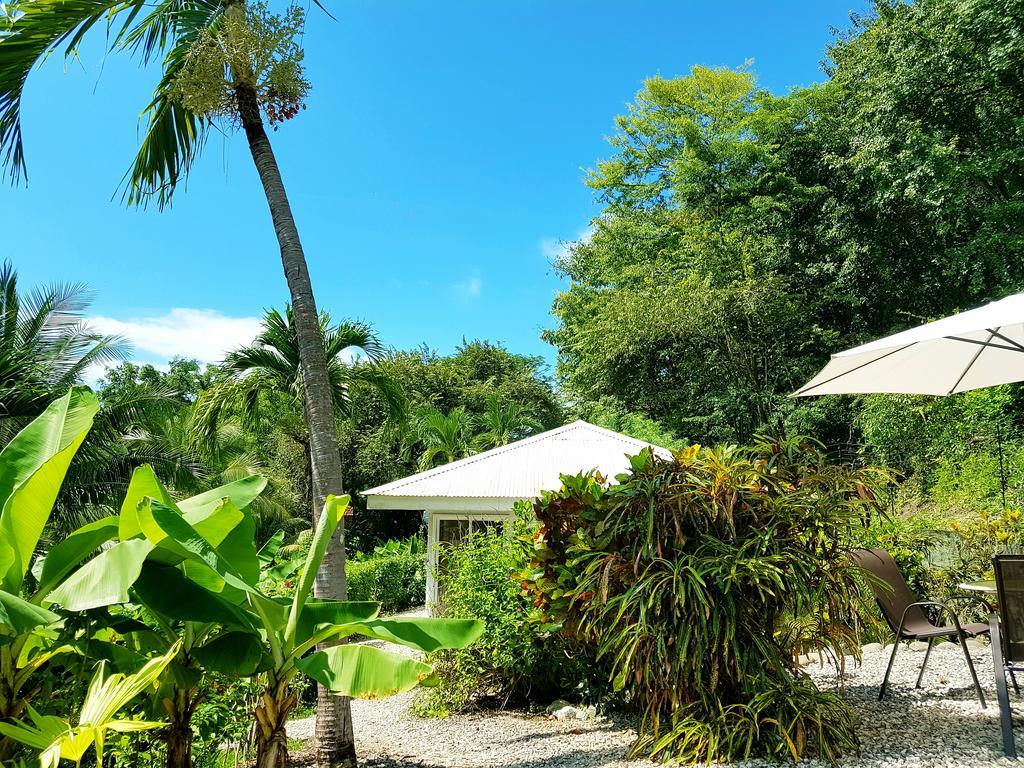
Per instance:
(685,577)
(515,661)
(32,468)
(394,575)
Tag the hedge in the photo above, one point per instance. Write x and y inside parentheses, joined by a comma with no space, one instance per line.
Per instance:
(398,582)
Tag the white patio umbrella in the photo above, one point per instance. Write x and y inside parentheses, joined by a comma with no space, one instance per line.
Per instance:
(978,348)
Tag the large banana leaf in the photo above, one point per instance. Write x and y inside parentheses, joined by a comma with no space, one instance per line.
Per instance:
(365,672)
(241,493)
(330,518)
(208,567)
(104,580)
(108,577)
(19,616)
(427,635)
(318,615)
(238,547)
(144,484)
(239,654)
(63,558)
(169,592)
(32,469)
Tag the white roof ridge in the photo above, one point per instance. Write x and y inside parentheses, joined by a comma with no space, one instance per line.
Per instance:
(394,485)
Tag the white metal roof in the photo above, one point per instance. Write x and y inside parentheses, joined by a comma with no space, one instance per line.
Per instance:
(519,470)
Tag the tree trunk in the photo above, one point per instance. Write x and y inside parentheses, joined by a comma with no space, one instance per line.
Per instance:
(272,712)
(335,744)
(178,734)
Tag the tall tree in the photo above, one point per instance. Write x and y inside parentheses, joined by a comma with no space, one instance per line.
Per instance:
(228,62)
(271,366)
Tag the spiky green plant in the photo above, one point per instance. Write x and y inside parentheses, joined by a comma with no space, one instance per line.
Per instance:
(686,576)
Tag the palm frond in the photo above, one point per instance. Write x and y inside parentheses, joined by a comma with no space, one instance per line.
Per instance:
(38,29)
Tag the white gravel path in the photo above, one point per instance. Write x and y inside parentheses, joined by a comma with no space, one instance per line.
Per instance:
(940,725)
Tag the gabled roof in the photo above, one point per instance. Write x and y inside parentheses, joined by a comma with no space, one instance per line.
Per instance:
(519,470)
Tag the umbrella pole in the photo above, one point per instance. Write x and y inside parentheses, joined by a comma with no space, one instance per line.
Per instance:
(1002,468)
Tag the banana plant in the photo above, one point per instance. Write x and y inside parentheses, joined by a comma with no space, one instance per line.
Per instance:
(57,739)
(136,569)
(294,633)
(32,469)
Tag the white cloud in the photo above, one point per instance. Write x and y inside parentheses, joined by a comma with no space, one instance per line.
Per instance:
(470,288)
(554,249)
(203,334)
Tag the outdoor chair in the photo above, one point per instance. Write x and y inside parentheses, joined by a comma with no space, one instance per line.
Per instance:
(906,616)
(1008,638)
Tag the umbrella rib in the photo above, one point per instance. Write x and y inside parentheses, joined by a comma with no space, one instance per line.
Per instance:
(852,370)
(1015,348)
(1008,340)
(992,333)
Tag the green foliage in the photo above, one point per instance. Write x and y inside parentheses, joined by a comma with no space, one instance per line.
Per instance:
(45,347)
(514,661)
(395,579)
(685,576)
(745,236)
(58,739)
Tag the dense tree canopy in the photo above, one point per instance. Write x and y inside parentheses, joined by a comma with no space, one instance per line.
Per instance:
(745,236)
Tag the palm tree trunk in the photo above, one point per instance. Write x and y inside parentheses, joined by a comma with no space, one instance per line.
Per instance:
(335,745)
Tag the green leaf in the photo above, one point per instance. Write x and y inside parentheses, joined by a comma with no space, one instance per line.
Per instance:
(241,493)
(317,614)
(169,592)
(326,525)
(144,484)
(202,561)
(104,580)
(269,550)
(239,549)
(427,635)
(63,558)
(365,672)
(239,654)
(19,616)
(32,469)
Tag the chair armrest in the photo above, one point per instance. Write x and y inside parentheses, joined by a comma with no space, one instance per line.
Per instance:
(990,607)
(943,608)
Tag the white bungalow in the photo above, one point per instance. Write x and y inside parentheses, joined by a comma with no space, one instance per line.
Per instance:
(481,490)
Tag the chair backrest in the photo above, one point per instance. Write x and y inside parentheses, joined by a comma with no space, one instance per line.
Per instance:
(891,591)
(1010,593)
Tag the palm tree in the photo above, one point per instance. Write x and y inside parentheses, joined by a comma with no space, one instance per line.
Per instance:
(223,61)
(271,366)
(504,423)
(444,437)
(45,347)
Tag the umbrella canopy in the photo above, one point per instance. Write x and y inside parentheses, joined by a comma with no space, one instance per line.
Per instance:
(979,348)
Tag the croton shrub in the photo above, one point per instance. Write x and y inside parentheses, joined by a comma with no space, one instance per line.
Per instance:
(698,579)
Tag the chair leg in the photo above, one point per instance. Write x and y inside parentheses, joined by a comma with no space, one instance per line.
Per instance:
(974,675)
(924,664)
(1002,695)
(1013,679)
(888,670)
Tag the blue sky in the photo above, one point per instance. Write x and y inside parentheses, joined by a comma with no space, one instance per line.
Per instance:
(438,166)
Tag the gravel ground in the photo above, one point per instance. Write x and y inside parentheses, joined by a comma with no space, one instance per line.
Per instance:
(941,725)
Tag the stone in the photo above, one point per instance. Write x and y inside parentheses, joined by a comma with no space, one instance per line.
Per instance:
(872,648)
(918,646)
(556,705)
(567,712)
